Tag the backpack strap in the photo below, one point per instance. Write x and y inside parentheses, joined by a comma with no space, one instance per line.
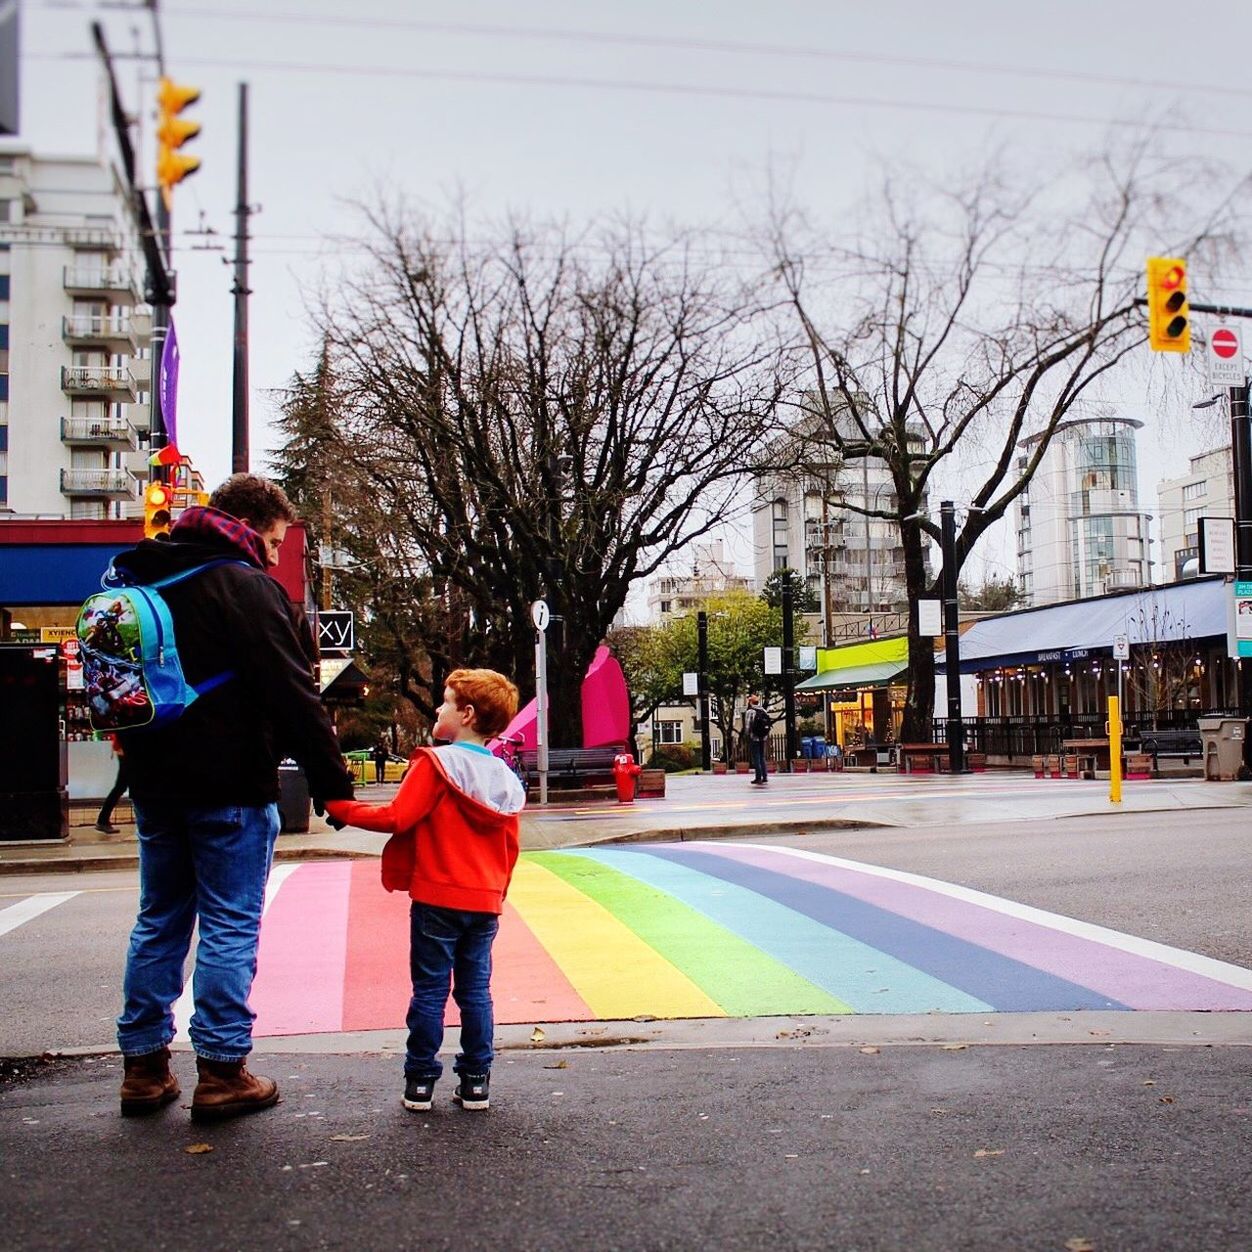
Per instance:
(183,575)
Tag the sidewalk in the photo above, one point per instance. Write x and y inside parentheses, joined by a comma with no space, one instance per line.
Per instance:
(704,807)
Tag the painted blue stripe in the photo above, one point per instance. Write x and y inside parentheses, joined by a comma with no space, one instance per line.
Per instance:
(864,978)
(1010,986)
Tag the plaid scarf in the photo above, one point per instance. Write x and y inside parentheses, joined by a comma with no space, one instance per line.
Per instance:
(202,523)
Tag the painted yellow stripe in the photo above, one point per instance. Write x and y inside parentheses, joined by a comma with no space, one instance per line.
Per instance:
(614,971)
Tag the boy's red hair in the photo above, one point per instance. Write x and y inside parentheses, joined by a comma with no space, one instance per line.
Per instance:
(494,698)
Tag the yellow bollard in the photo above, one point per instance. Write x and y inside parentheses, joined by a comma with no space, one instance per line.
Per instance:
(1115,750)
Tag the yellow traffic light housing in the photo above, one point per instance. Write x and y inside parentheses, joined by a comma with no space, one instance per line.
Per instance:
(172,132)
(1169,316)
(157,519)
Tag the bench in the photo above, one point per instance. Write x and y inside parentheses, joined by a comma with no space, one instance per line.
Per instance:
(568,766)
(1175,743)
(918,757)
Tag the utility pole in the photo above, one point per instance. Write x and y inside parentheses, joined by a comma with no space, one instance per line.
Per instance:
(952,638)
(240,290)
(789,668)
(1241,464)
(702,663)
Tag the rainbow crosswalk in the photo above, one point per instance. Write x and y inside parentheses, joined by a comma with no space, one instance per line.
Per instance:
(706,929)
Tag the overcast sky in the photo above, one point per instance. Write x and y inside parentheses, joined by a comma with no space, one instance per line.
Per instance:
(665,107)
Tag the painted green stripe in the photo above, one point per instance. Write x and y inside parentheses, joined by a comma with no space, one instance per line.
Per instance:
(745,981)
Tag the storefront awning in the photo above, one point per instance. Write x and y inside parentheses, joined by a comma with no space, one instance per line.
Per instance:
(1193,610)
(855,678)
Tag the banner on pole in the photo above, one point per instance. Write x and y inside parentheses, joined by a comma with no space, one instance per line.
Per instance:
(169,384)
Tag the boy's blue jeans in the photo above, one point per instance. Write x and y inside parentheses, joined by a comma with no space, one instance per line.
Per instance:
(444,945)
(210,864)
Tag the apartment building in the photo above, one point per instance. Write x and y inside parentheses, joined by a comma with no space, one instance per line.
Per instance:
(74,374)
(820,524)
(1080,530)
(1206,490)
(677,595)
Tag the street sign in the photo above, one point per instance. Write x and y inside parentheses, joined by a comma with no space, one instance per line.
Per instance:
(1242,632)
(929,618)
(541,615)
(1224,358)
(773,660)
(1217,545)
(1121,647)
(691,684)
(329,668)
(335,632)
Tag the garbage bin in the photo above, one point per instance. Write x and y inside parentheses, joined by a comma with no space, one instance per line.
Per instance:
(293,798)
(1223,747)
(819,746)
(806,746)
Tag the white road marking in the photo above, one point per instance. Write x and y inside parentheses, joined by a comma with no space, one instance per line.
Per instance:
(18,914)
(186,1005)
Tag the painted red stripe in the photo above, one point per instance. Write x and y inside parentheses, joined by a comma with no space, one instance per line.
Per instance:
(299,985)
(376,987)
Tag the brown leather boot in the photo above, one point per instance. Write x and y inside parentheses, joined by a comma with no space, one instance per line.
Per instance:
(227,1089)
(148,1084)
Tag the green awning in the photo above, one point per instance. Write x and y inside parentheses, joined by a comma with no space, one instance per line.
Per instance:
(855,678)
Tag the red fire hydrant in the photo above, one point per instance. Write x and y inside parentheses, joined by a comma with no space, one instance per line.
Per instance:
(625,775)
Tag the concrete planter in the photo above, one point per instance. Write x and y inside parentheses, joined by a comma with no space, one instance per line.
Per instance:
(742,767)
(652,782)
(719,767)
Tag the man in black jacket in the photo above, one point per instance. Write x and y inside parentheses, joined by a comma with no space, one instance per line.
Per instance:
(205,791)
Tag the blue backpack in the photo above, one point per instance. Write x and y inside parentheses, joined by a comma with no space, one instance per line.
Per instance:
(131,672)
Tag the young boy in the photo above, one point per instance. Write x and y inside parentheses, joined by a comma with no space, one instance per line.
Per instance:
(453,849)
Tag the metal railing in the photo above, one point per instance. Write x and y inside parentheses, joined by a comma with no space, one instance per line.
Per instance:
(93,326)
(1015,737)
(98,378)
(99,482)
(99,430)
(111,278)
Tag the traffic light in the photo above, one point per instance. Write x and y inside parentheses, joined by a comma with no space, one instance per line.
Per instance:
(157,498)
(1169,318)
(172,132)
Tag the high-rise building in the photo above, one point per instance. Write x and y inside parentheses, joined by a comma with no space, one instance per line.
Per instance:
(1206,490)
(1080,530)
(74,376)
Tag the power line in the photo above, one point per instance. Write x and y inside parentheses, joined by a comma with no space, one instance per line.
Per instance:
(619,39)
(375,72)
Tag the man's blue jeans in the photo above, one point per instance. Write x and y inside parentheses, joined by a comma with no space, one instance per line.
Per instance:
(756,754)
(444,945)
(209,864)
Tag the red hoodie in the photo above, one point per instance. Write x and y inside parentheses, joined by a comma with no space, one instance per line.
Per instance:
(455,826)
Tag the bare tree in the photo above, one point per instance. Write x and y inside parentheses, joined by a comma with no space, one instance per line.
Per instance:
(956,336)
(541,416)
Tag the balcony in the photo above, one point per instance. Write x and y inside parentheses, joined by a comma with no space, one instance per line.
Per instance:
(107,484)
(87,330)
(108,382)
(109,282)
(99,432)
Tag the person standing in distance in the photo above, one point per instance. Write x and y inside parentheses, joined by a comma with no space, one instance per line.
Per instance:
(756,725)
(205,790)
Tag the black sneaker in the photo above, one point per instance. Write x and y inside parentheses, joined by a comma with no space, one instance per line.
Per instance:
(472,1091)
(419,1093)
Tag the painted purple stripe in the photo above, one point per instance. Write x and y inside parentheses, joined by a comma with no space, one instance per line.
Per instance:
(1140,982)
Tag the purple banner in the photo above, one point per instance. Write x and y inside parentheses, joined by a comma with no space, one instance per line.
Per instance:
(169,384)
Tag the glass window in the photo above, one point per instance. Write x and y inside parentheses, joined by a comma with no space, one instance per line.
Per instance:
(4,286)
(4,335)
(4,488)
(4,387)
(669,732)
(1193,491)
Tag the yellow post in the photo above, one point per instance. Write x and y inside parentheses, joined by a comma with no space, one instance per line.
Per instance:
(1115,750)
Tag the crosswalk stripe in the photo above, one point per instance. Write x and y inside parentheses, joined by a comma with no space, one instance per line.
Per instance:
(33,906)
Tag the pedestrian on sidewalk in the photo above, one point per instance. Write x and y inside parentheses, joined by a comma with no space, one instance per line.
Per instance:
(454,843)
(104,819)
(381,756)
(205,788)
(756,727)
